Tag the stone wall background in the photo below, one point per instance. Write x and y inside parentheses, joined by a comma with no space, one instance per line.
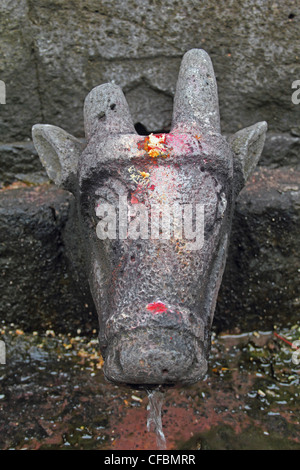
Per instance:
(52,53)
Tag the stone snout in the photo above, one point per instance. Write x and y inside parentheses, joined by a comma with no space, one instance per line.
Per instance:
(151,357)
(157,344)
(165,347)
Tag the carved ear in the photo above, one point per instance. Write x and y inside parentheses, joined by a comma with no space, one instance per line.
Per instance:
(247,145)
(59,153)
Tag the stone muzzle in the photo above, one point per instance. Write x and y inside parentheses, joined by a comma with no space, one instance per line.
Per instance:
(154,356)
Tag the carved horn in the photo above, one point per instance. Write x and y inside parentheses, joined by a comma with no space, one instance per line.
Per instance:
(196,105)
(106,111)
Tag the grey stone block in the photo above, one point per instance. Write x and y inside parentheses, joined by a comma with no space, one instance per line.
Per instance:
(281,150)
(38,289)
(19,160)
(260,285)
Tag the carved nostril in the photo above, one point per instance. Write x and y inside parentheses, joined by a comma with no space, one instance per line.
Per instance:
(112,106)
(165,371)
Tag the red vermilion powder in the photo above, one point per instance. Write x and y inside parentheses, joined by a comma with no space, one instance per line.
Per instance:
(157,307)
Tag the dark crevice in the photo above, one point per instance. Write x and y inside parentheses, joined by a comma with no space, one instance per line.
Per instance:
(34,54)
(142,130)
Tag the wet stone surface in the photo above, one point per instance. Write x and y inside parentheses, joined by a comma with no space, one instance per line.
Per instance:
(53,396)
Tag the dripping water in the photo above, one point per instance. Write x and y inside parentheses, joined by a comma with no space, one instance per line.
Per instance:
(154,421)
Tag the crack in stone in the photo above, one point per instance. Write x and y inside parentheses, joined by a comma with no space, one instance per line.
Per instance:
(34,56)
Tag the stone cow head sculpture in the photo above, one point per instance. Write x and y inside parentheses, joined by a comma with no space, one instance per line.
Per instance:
(155,214)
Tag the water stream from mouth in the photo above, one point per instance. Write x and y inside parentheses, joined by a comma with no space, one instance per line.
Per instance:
(154,422)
